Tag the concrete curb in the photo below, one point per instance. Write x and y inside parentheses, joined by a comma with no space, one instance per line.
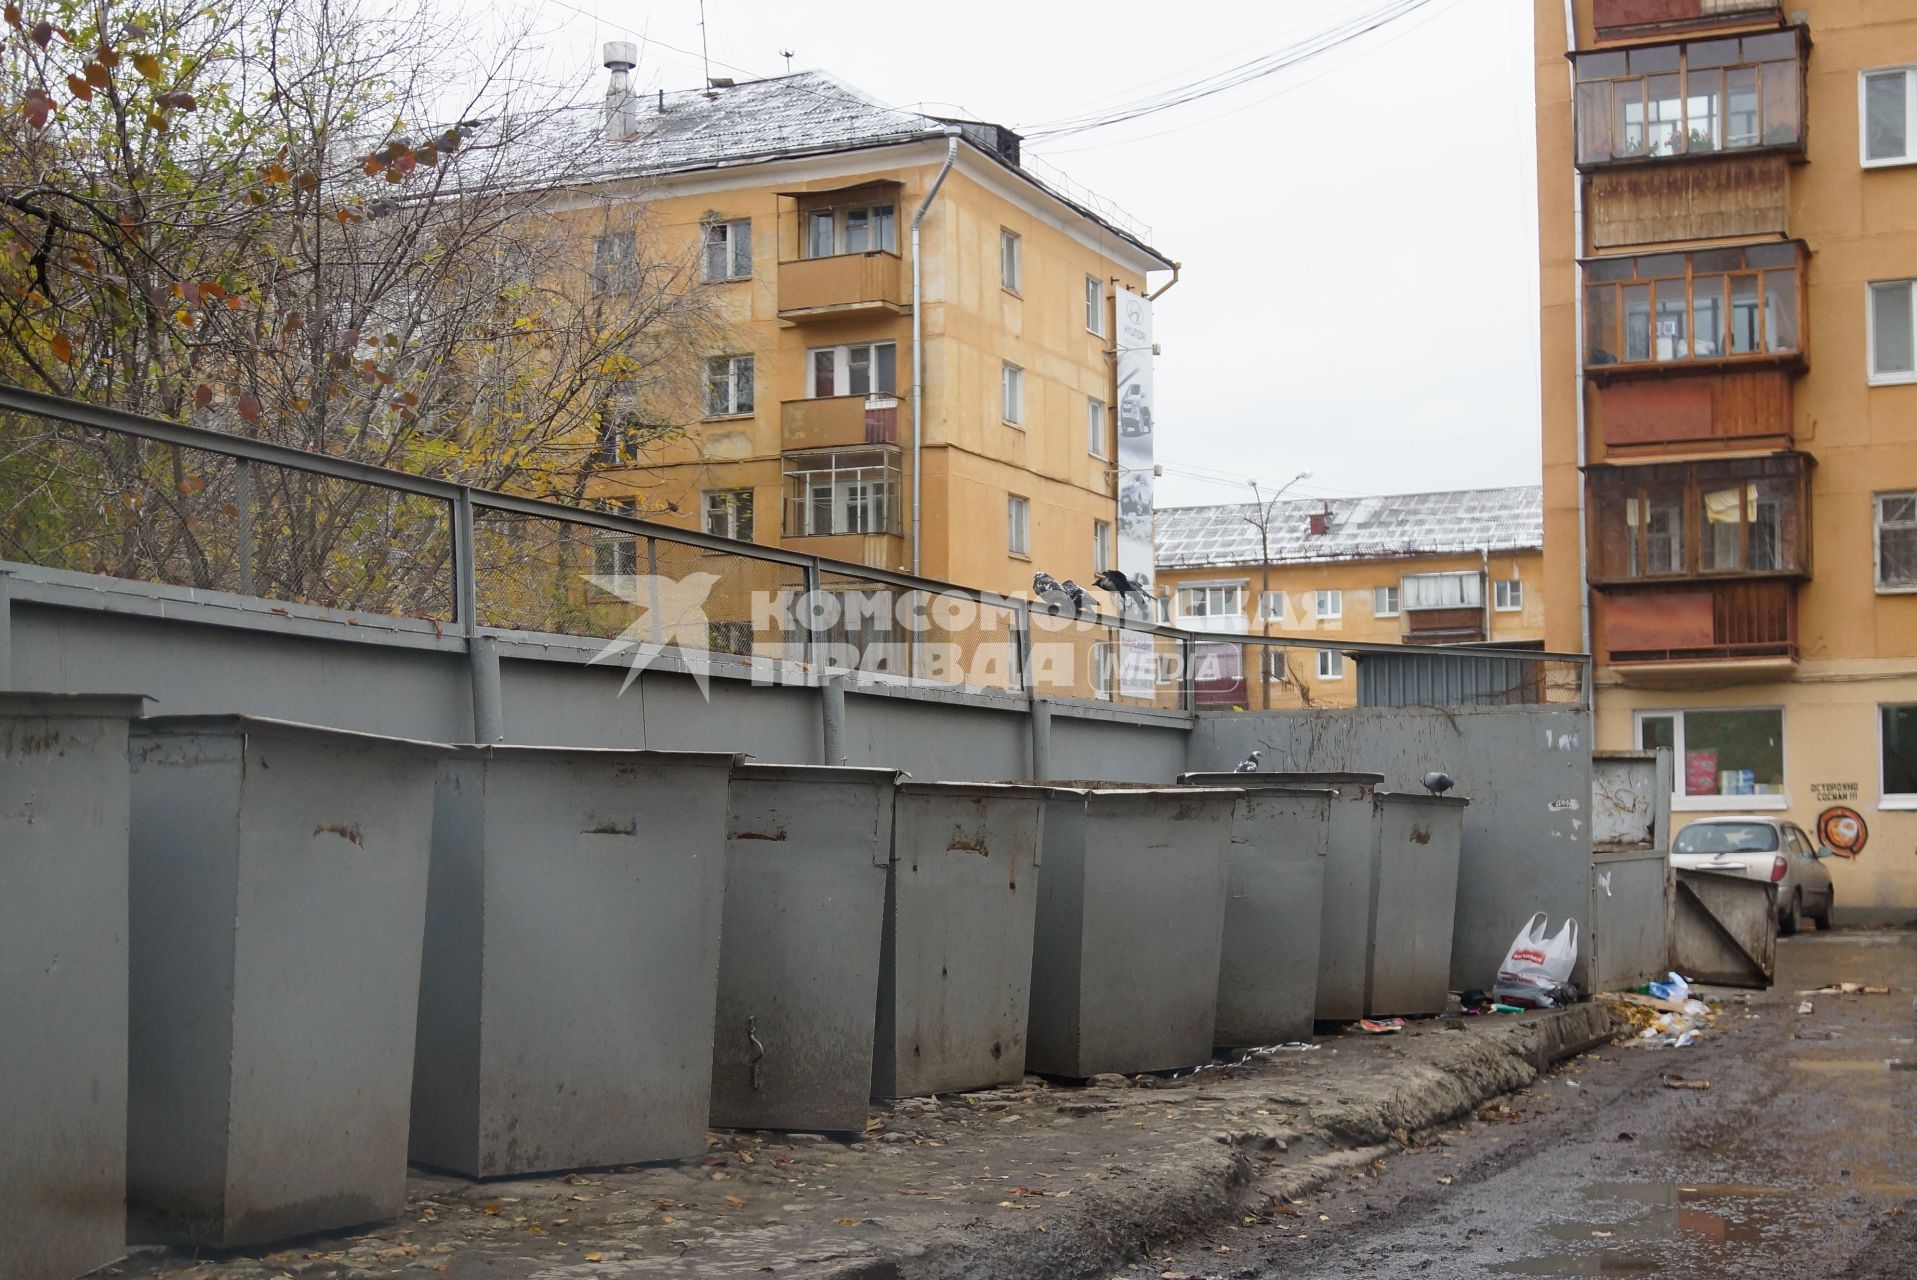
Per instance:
(1212,1177)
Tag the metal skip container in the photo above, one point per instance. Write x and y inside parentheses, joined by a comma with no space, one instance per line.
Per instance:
(63,980)
(1414,902)
(955,964)
(278,896)
(572,955)
(1274,914)
(1131,925)
(806,854)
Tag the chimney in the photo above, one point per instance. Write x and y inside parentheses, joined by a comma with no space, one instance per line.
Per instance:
(622,108)
(1321,521)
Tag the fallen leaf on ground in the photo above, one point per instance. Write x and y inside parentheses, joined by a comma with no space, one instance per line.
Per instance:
(848,1222)
(1445,1181)
(1679,1082)
(595,1256)
(737,1202)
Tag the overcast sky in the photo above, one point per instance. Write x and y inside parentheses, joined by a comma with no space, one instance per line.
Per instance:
(1358,232)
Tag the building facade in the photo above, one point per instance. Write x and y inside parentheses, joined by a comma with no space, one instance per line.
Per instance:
(799,196)
(1727,244)
(1462,567)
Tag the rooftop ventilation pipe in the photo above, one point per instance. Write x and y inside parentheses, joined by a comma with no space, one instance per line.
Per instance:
(622,108)
(918,334)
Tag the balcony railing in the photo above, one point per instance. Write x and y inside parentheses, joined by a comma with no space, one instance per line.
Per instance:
(1703,308)
(1720,620)
(1698,97)
(845,284)
(1730,518)
(1463,625)
(1617,18)
(829,422)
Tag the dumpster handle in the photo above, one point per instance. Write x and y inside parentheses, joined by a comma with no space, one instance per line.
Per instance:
(758,1051)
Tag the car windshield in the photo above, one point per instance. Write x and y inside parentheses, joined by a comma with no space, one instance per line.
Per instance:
(1727,837)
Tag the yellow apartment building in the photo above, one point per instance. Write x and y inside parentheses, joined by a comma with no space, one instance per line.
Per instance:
(1460,567)
(1728,268)
(799,195)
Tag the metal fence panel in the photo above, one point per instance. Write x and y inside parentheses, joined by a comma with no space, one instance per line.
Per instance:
(63,981)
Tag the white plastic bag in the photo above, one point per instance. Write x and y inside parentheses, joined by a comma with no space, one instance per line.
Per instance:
(1536,972)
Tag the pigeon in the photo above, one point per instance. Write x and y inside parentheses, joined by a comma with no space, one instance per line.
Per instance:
(1127,590)
(1437,783)
(1051,591)
(1250,763)
(1081,602)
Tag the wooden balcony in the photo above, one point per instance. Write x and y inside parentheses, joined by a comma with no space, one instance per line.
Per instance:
(837,422)
(1650,204)
(842,286)
(1755,619)
(1463,625)
(1621,19)
(1735,409)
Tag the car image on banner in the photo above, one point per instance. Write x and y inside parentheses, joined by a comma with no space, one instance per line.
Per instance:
(1133,378)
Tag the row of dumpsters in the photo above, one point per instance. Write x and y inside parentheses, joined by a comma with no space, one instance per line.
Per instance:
(251,970)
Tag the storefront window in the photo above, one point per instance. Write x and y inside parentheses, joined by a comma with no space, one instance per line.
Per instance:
(1721,753)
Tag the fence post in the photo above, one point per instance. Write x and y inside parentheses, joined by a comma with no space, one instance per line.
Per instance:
(482,652)
(813,660)
(1189,677)
(6,631)
(832,718)
(1041,738)
(1022,644)
(243,505)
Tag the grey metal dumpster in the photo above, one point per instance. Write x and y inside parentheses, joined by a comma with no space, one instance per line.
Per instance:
(572,955)
(63,975)
(1131,924)
(955,965)
(806,853)
(278,895)
(1414,902)
(1268,977)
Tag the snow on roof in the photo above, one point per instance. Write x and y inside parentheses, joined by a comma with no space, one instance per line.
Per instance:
(1406,524)
(805,113)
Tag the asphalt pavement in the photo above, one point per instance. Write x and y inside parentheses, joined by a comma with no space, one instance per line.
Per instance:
(1798,1159)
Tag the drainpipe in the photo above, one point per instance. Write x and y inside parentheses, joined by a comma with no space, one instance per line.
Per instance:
(918,335)
(1164,288)
(1577,337)
(1484,601)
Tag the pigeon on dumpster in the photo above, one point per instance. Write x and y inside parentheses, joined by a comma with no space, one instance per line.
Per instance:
(1437,783)
(1250,763)
(1051,590)
(1128,591)
(1080,601)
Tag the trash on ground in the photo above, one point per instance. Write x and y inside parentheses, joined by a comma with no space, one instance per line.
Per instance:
(1536,973)
(1380,1026)
(1679,1082)
(1673,987)
(1846,989)
(1660,1021)
(1805,1006)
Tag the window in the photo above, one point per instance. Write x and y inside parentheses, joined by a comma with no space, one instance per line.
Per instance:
(1010,259)
(729,513)
(1330,604)
(1507,595)
(1674,520)
(1101,545)
(1893,333)
(622,432)
(1277,664)
(1897,747)
(1018,525)
(616,555)
(728,250)
(1718,754)
(851,229)
(1220,600)
(615,258)
(1689,99)
(1012,393)
(1095,305)
(842,491)
(1897,541)
(1461,590)
(1384,602)
(1271,606)
(1887,105)
(728,386)
(1097,428)
(1707,304)
(858,369)
(1331,664)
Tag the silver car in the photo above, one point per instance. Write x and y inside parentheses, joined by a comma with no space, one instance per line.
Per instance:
(1760,847)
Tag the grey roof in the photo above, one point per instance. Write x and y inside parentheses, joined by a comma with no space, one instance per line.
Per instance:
(1405,524)
(805,113)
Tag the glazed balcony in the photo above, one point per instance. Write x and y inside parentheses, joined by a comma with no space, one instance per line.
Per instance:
(1685,99)
(833,422)
(1621,19)
(1702,310)
(1725,519)
(842,286)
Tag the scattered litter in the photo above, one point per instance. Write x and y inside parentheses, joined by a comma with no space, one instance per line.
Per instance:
(1679,1082)
(1659,1020)
(1673,987)
(1380,1026)
(1536,972)
(1804,1007)
(1900,1064)
(1847,989)
(1289,1046)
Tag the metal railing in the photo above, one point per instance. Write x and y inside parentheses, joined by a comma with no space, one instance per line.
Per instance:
(212,515)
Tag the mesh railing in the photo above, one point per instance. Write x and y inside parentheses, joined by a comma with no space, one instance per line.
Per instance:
(130,498)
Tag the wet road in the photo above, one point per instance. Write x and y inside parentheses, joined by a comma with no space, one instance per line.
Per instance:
(1799,1160)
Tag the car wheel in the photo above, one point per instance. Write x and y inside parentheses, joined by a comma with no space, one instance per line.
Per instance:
(1823,917)
(1791,918)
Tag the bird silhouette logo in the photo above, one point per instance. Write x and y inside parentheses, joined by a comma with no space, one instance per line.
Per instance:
(671,614)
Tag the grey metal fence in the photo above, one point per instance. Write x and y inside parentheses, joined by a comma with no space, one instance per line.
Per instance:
(98,491)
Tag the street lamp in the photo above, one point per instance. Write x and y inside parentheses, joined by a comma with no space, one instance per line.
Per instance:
(1265,507)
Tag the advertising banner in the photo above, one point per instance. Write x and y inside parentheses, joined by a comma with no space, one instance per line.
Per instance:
(1133,389)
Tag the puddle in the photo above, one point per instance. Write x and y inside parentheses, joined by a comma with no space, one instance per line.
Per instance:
(1675,1218)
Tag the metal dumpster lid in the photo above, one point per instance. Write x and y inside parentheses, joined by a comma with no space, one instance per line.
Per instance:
(240,723)
(1007,790)
(767,771)
(21,702)
(1090,788)
(1287,778)
(531,750)
(1419,797)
